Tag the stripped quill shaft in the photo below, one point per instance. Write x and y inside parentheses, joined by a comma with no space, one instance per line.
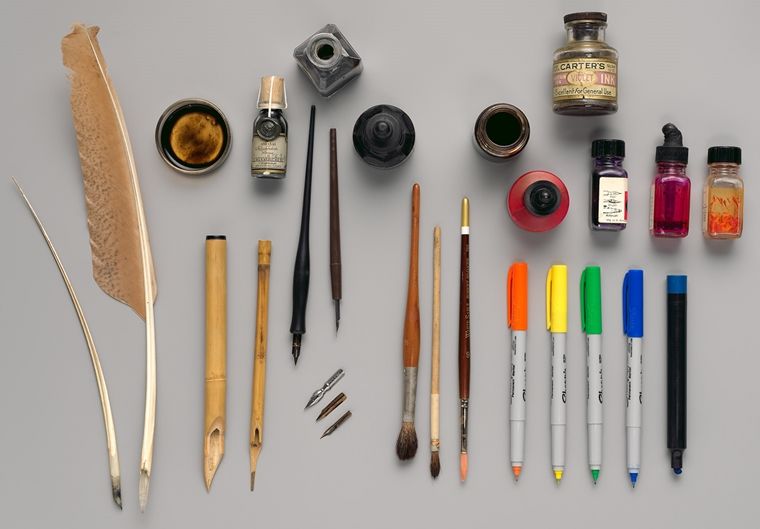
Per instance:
(105,403)
(121,253)
(216,356)
(435,461)
(260,357)
(406,446)
(464,336)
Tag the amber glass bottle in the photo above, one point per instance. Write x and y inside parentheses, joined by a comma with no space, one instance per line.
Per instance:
(723,201)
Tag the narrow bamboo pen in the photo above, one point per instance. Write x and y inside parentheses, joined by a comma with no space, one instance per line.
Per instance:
(260,357)
(216,355)
(435,370)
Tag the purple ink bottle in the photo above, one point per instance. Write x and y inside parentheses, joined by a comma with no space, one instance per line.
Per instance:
(609,186)
(671,189)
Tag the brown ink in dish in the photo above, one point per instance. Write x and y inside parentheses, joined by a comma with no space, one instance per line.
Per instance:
(193,136)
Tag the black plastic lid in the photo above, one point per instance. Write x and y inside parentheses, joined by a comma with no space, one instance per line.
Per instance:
(608,148)
(724,154)
(586,15)
(542,198)
(672,149)
(384,136)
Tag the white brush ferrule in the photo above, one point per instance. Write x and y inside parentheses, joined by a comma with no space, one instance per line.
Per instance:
(410,393)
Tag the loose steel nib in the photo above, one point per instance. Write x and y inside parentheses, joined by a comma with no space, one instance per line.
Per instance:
(317,395)
(327,410)
(337,424)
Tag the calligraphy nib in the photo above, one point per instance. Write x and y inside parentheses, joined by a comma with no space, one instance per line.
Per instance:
(296,348)
(337,315)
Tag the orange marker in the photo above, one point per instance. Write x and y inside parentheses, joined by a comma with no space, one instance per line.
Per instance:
(517,320)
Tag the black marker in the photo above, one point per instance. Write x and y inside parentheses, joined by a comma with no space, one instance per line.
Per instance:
(676,371)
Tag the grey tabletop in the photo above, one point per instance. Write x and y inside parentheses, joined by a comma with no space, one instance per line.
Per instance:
(690,63)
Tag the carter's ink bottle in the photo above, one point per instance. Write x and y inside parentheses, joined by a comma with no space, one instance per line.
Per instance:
(609,186)
(671,189)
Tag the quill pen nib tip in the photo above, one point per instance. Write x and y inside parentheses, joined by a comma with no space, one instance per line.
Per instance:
(143,489)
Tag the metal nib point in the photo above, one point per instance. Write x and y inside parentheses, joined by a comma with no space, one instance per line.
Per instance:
(337,315)
(296,348)
(253,478)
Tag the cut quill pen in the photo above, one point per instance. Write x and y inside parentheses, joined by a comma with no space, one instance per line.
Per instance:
(105,403)
(121,255)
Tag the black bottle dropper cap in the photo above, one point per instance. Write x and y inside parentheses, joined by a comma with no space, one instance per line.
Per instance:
(672,149)
(384,136)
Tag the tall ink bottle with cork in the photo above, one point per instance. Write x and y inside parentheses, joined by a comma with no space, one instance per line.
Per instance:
(269,145)
(609,186)
(671,189)
(585,68)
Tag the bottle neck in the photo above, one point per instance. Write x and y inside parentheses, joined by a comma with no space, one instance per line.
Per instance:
(585,30)
(608,161)
(724,169)
(671,169)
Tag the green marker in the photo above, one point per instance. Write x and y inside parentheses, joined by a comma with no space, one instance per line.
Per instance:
(591,323)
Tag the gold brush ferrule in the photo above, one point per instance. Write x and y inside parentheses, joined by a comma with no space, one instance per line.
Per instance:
(465,212)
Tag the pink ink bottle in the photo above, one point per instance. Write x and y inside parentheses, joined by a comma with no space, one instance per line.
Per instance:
(671,189)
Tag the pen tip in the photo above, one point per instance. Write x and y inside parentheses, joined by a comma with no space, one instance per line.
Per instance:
(337,315)
(143,489)
(558,476)
(253,478)
(634,478)
(116,491)
(296,352)
(516,470)
(595,475)
(678,471)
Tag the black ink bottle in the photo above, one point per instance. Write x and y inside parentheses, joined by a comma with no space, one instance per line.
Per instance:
(609,186)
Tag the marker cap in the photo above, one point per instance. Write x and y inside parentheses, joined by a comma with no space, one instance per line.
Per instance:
(633,303)
(556,298)
(591,300)
(517,297)
(676,284)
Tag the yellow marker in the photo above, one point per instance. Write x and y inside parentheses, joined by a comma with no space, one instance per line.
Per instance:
(556,323)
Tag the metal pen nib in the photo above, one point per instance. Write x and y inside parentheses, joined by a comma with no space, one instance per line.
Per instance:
(337,315)
(317,395)
(337,424)
(296,348)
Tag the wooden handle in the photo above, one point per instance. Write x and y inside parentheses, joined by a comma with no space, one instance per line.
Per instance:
(435,374)
(412,319)
(216,346)
(335,260)
(260,350)
(464,319)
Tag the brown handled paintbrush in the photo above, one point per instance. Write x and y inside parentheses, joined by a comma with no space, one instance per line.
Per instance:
(435,370)
(464,337)
(406,446)
(216,356)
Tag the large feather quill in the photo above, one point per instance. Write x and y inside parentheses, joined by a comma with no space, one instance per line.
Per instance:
(121,257)
(105,403)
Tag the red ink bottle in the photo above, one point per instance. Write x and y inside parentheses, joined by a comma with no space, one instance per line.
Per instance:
(671,189)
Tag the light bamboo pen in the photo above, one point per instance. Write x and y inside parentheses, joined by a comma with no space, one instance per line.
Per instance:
(260,357)
(216,355)
(435,370)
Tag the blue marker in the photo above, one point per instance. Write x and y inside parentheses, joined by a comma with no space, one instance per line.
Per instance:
(633,327)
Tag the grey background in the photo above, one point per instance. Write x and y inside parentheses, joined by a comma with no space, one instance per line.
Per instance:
(692,63)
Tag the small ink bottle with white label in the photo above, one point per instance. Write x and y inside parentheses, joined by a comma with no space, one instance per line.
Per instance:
(269,145)
(609,186)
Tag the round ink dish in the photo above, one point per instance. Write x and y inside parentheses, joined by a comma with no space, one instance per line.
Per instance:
(193,136)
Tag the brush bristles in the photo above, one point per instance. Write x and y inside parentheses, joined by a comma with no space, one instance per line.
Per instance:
(435,464)
(406,446)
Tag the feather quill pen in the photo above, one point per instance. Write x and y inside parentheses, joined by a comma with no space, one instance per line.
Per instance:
(121,257)
(105,403)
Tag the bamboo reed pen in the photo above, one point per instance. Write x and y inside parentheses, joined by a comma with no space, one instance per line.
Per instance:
(435,370)
(216,355)
(260,357)
(406,445)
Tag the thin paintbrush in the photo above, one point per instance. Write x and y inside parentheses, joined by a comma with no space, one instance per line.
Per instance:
(260,357)
(215,413)
(335,260)
(105,403)
(464,336)
(302,265)
(435,370)
(406,446)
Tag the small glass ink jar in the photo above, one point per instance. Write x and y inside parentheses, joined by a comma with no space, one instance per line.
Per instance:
(609,186)
(723,203)
(671,188)
(585,69)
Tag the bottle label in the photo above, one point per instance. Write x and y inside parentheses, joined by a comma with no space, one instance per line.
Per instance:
(269,156)
(585,78)
(613,200)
